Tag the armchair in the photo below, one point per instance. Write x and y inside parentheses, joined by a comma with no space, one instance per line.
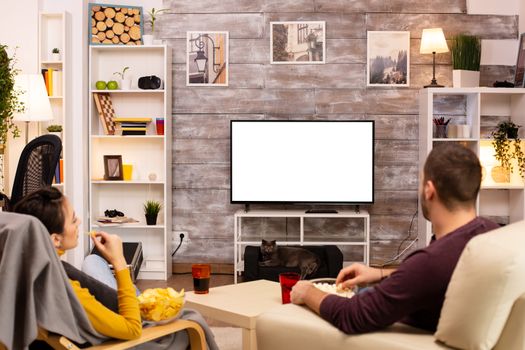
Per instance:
(484,308)
(36,294)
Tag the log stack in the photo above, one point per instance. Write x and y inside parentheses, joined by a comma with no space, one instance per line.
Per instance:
(116,25)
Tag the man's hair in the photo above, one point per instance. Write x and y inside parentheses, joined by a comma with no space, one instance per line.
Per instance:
(455,172)
(45,204)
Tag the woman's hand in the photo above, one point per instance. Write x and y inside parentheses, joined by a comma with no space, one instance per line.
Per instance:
(110,246)
(357,274)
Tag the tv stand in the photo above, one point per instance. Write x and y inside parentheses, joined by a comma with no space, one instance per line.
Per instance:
(321,211)
(339,239)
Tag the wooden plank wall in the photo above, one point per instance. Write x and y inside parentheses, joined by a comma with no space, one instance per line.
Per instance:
(336,90)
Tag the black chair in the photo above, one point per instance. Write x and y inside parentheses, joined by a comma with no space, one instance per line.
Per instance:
(36,168)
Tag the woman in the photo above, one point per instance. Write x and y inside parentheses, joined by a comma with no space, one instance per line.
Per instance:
(56,213)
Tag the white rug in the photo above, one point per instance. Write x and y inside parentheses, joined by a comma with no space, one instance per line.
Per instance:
(228,338)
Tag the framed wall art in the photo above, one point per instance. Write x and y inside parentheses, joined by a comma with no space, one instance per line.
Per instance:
(115,24)
(113,167)
(207,58)
(388,58)
(519,77)
(298,42)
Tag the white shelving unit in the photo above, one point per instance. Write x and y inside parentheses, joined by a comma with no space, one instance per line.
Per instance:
(238,242)
(52,34)
(149,154)
(482,106)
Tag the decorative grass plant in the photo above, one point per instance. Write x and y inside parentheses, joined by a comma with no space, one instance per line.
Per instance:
(466,52)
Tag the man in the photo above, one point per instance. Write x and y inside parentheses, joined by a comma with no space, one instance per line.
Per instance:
(415,292)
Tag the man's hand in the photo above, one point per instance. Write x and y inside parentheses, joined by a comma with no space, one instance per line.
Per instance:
(357,274)
(110,246)
(304,292)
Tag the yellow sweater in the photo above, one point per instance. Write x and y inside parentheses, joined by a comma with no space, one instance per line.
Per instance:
(124,325)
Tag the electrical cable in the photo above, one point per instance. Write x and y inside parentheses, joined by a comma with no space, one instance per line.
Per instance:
(180,243)
(398,255)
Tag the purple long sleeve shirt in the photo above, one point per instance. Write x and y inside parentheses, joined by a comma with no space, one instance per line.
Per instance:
(413,294)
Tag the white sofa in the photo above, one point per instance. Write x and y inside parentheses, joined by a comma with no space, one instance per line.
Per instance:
(484,308)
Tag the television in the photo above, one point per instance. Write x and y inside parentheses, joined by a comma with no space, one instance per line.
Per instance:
(302,162)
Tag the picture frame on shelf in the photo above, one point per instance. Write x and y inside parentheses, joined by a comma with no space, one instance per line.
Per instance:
(298,42)
(113,167)
(388,58)
(207,58)
(519,76)
(116,24)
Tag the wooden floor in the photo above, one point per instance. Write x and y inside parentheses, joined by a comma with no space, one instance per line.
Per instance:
(184,280)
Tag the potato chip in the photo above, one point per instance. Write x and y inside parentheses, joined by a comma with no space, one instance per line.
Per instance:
(158,304)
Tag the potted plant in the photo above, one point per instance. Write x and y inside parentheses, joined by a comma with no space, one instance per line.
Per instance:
(151,211)
(153,13)
(55,130)
(55,54)
(466,56)
(507,146)
(125,84)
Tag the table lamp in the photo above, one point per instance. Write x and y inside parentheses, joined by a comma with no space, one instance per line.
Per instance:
(433,41)
(33,96)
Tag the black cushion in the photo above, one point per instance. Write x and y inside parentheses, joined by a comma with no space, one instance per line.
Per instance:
(330,255)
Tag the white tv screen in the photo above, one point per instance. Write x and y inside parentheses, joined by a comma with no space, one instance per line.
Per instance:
(323,162)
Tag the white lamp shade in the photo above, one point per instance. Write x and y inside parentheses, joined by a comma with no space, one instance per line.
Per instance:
(33,95)
(433,40)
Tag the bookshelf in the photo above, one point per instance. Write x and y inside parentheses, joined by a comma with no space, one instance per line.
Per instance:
(52,34)
(149,154)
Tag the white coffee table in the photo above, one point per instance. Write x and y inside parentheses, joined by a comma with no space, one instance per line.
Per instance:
(238,305)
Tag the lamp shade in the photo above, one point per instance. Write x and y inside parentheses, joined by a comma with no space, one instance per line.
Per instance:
(33,95)
(433,40)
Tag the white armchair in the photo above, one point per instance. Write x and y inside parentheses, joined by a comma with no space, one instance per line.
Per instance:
(484,308)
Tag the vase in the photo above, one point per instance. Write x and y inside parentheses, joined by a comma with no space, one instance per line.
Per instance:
(147,39)
(125,84)
(151,219)
(465,78)
(55,57)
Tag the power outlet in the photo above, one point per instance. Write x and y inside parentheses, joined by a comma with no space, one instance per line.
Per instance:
(176,237)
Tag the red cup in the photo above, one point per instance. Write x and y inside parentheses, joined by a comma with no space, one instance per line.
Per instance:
(201,278)
(159,123)
(287,281)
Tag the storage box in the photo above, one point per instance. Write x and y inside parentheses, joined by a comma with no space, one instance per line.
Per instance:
(132,254)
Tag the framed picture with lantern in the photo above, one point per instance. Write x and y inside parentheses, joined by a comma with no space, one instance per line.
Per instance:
(207,58)
(298,42)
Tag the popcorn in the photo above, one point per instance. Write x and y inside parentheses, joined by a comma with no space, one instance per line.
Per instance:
(333,289)
(158,304)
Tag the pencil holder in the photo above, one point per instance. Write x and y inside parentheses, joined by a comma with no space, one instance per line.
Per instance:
(440,131)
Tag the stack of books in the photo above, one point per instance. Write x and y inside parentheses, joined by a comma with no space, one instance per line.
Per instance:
(53,80)
(132,126)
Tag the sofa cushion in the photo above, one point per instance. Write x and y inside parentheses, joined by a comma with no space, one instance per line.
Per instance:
(295,327)
(489,278)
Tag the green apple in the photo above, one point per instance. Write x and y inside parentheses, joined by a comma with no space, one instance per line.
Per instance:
(112,85)
(100,85)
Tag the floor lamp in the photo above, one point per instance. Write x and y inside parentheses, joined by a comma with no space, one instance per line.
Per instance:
(33,96)
(433,41)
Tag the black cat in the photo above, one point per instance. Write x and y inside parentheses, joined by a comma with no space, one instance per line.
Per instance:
(272,255)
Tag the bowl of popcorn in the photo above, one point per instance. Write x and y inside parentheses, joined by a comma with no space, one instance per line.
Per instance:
(160,305)
(328,285)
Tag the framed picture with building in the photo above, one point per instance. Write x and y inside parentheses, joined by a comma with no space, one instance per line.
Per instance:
(207,58)
(388,58)
(298,42)
(519,77)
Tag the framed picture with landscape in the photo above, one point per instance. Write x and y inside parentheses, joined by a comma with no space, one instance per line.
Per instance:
(519,78)
(298,42)
(388,58)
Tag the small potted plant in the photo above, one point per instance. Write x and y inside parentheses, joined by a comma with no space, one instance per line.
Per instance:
(153,13)
(151,211)
(55,130)
(507,146)
(466,57)
(125,84)
(55,54)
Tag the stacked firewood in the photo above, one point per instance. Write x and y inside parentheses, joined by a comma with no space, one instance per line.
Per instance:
(115,25)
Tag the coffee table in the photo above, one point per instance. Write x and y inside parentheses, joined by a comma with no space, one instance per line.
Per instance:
(238,305)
